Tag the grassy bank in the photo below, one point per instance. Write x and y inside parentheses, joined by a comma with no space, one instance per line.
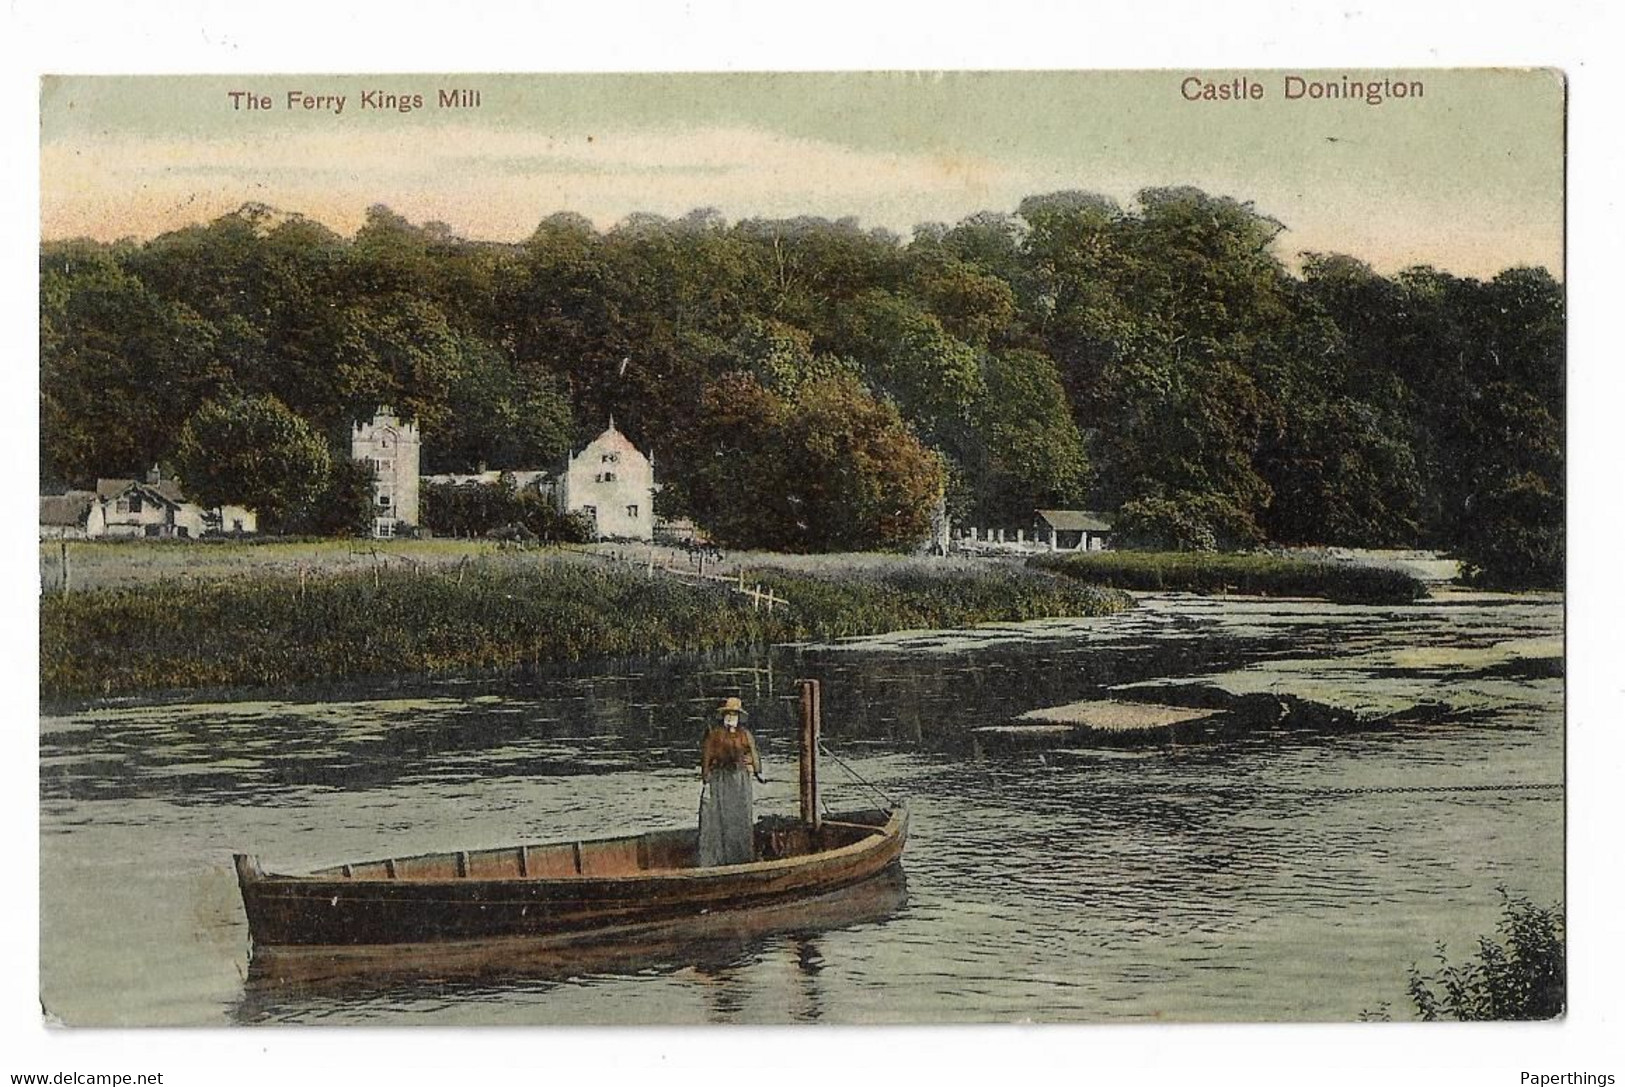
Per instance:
(268,628)
(1248,575)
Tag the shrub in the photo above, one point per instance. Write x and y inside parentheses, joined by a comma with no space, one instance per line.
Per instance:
(1520,976)
(1186,522)
(1247,575)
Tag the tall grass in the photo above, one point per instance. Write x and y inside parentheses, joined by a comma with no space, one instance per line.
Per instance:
(279,628)
(1247,575)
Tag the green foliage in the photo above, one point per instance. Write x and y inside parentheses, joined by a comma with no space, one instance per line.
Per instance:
(1519,539)
(343,505)
(829,468)
(252,452)
(1186,521)
(119,365)
(1028,452)
(491,615)
(1248,575)
(1522,975)
(498,510)
(1158,357)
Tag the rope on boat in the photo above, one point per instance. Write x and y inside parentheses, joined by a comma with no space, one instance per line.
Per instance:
(877,790)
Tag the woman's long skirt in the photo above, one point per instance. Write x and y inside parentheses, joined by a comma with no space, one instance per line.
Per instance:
(727,824)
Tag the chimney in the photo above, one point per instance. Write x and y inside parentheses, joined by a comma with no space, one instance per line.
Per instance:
(155,475)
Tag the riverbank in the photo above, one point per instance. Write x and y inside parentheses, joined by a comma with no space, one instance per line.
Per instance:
(1242,575)
(316,623)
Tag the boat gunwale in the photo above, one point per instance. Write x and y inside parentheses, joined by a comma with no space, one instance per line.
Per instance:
(883,833)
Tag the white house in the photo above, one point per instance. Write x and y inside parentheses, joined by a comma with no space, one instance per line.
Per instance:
(154,508)
(392,448)
(614,484)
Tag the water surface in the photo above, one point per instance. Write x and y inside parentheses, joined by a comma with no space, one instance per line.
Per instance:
(1278,874)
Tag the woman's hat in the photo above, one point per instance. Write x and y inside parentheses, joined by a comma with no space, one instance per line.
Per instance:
(732,705)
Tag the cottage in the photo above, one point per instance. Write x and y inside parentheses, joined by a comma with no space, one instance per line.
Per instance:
(154,508)
(613,483)
(392,449)
(1072,530)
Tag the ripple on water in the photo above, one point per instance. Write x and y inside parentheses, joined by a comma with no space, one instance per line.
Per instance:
(1269,876)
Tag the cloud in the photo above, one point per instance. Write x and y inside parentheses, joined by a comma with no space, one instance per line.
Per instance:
(493,183)
(498,183)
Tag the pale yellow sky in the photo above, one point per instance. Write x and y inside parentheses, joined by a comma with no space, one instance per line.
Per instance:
(1468,176)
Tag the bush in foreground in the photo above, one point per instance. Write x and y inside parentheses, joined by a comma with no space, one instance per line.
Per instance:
(1520,976)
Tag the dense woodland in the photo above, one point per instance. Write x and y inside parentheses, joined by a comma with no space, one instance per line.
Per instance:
(808,384)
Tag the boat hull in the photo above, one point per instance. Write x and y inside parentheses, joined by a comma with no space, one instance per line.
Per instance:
(719,937)
(394,907)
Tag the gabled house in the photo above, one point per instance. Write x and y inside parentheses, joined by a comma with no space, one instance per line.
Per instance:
(154,508)
(613,483)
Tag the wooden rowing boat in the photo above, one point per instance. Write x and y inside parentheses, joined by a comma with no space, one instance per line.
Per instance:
(717,937)
(570,890)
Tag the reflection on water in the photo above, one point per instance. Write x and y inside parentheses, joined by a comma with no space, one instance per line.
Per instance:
(1274,872)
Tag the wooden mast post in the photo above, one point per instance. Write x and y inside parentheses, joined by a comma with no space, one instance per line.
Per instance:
(811,719)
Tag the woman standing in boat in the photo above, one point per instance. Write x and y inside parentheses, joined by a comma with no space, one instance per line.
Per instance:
(728,761)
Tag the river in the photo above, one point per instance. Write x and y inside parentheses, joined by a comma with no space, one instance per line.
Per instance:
(1268,874)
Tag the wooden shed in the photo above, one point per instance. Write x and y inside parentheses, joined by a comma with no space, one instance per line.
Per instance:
(1073,530)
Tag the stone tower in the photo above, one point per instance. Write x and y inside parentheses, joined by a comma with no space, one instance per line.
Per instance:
(392,448)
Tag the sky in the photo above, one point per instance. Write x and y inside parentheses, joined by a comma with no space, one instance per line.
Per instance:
(1467,176)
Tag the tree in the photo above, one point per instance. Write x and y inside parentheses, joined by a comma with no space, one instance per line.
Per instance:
(117,364)
(1029,453)
(343,506)
(829,468)
(253,452)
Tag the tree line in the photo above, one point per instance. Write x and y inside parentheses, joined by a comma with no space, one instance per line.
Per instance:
(808,384)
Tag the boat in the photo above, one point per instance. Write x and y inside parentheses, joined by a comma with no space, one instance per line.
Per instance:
(280,979)
(572,891)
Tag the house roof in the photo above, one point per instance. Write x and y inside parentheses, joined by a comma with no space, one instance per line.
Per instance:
(1076,520)
(68,509)
(166,490)
(613,439)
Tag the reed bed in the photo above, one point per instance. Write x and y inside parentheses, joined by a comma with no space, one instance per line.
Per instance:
(1245,575)
(278,628)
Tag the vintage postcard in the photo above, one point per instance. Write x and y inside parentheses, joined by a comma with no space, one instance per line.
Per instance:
(858,548)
